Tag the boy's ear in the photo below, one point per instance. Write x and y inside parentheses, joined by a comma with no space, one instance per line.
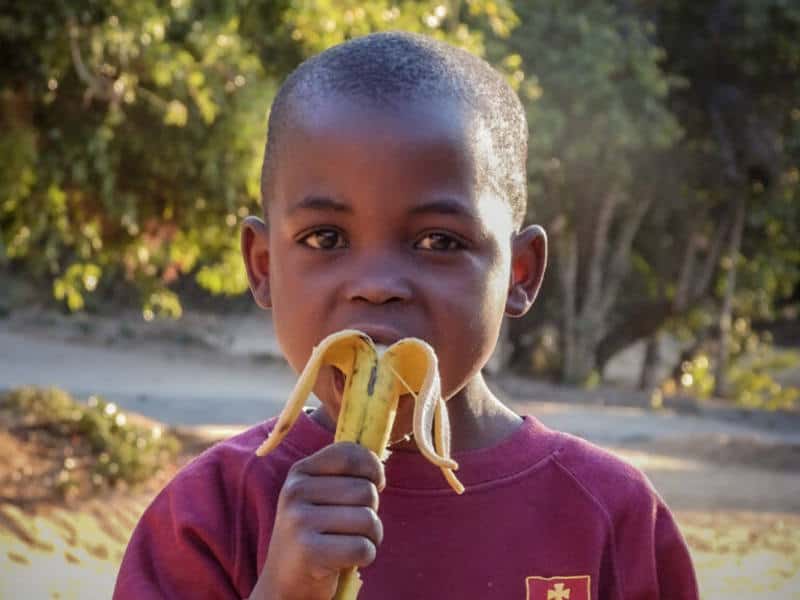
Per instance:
(528,262)
(255,251)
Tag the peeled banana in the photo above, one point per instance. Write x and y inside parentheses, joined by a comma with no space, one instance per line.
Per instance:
(375,378)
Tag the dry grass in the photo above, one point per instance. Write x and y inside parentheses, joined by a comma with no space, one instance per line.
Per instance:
(742,555)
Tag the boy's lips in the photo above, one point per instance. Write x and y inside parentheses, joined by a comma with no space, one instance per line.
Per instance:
(381,335)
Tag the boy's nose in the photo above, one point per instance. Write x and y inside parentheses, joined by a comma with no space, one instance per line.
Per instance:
(378,282)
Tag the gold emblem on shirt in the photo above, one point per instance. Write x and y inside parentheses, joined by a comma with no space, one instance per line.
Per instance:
(566,587)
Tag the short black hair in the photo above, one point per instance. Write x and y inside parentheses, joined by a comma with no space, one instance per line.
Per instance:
(389,67)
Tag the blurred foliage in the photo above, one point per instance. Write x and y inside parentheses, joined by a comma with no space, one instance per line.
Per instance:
(596,97)
(142,126)
(132,131)
(754,364)
(104,446)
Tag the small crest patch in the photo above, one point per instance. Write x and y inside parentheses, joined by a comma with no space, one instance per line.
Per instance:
(574,587)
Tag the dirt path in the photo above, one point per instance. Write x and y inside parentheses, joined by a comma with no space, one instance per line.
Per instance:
(176,380)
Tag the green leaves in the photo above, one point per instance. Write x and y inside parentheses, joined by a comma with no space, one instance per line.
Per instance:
(599,99)
(77,280)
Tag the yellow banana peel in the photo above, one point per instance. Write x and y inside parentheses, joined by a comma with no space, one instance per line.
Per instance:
(375,378)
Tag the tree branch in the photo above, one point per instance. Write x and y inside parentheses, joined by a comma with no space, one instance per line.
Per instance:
(681,298)
(703,283)
(643,320)
(568,271)
(97,86)
(620,259)
(595,276)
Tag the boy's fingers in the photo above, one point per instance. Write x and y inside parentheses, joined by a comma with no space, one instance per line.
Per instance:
(330,551)
(344,458)
(345,520)
(332,490)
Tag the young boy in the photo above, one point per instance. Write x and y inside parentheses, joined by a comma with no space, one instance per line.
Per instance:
(394,191)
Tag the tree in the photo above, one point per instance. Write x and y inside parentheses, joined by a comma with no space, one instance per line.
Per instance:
(658,133)
(596,97)
(737,167)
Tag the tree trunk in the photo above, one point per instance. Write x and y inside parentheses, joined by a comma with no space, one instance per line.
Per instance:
(579,364)
(652,356)
(568,271)
(726,313)
(646,318)
(586,315)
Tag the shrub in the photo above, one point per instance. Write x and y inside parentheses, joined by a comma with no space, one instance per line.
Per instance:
(98,443)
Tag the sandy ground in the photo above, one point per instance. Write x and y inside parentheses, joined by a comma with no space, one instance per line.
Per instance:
(735,487)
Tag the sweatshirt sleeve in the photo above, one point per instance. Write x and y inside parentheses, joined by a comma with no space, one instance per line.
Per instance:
(676,576)
(648,558)
(181,547)
(652,558)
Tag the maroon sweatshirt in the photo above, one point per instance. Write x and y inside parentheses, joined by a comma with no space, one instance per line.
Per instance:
(545,516)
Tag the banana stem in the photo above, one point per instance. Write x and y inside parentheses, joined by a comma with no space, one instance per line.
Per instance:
(349,584)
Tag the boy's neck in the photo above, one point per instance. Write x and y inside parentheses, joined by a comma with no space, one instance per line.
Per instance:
(478,419)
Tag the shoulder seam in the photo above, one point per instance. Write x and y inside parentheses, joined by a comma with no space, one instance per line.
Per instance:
(603,510)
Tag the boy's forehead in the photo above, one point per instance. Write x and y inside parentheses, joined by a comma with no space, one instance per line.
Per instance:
(342,114)
(412,125)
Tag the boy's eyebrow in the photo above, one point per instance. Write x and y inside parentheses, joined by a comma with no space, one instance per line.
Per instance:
(435,207)
(320,203)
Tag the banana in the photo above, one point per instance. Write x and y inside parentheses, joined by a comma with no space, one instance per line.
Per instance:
(375,378)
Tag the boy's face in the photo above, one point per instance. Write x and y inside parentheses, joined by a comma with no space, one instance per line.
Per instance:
(376,222)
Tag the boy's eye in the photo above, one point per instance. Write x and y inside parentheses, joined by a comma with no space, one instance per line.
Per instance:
(324,239)
(439,242)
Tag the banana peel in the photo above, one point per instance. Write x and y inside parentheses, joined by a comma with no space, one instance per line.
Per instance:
(375,378)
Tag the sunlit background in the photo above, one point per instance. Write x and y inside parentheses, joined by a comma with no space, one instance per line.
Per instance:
(664,162)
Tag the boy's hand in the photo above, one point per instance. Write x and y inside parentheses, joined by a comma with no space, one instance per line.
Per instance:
(326,520)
